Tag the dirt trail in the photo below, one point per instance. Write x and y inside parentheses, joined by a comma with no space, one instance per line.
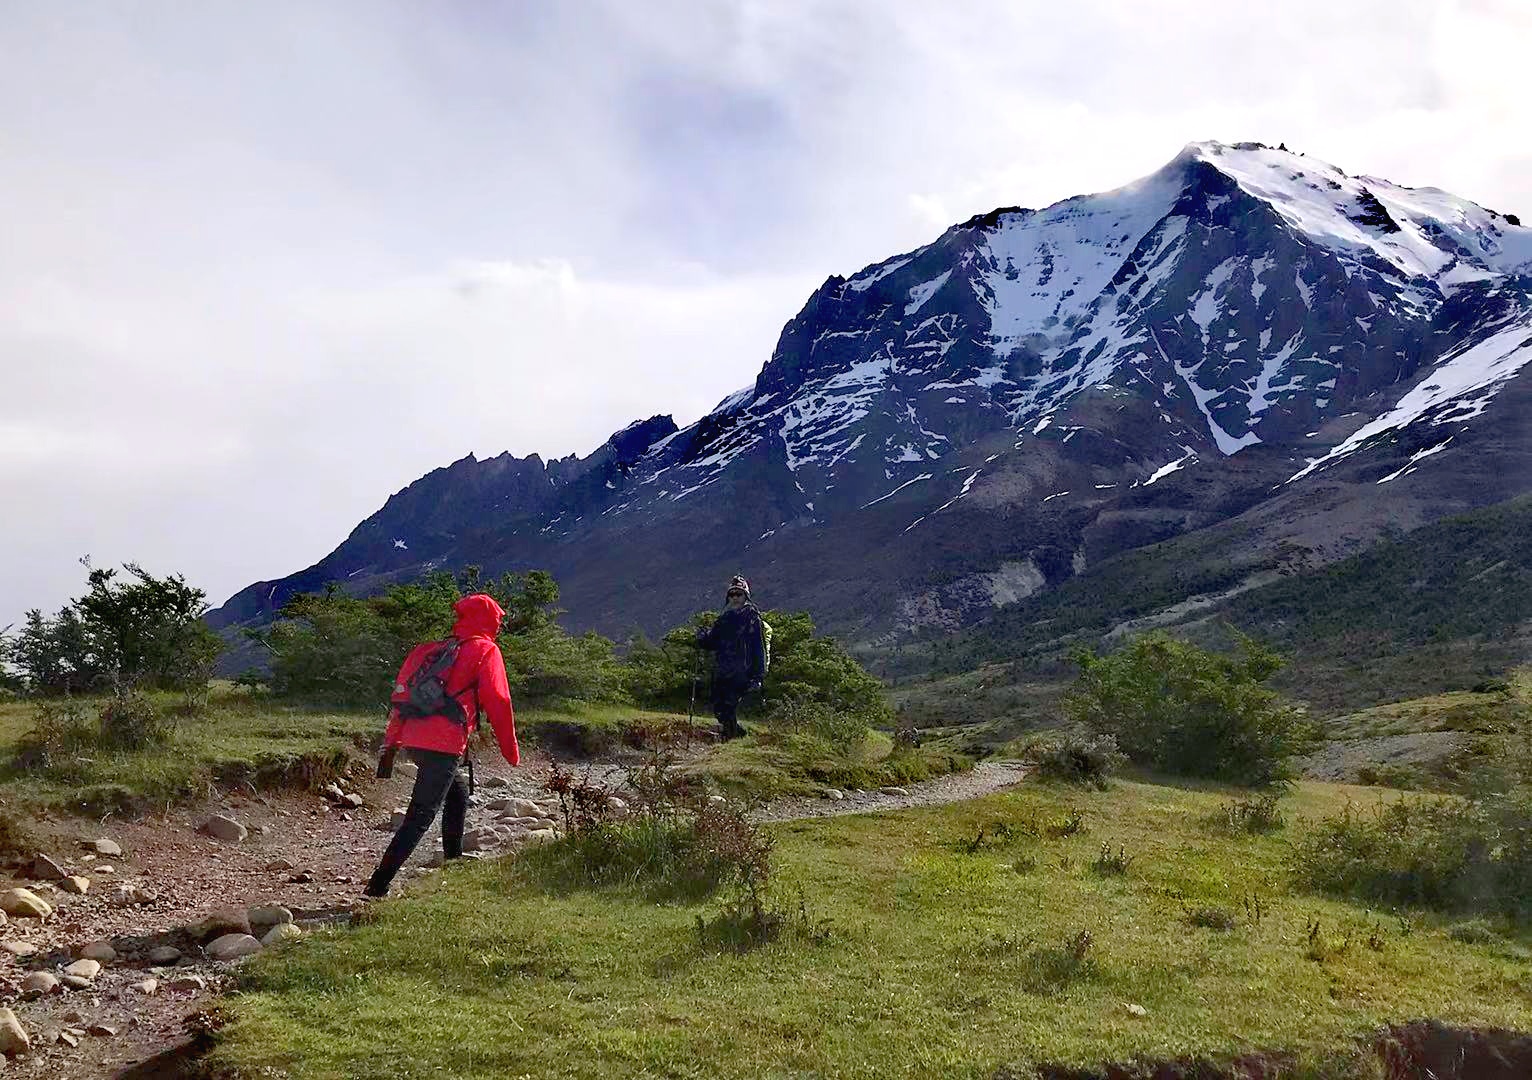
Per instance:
(187,876)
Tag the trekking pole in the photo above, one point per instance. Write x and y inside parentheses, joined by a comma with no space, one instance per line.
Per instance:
(691,710)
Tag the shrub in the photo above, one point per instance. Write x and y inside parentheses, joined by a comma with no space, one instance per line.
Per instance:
(1090,760)
(61,731)
(1111,863)
(1174,707)
(131,722)
(1260,814)
(746,923)
(1049,969)
(798,711)
(1450,854)
(140,631)
(1212,918)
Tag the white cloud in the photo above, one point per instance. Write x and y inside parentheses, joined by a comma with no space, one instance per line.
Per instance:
(242,242)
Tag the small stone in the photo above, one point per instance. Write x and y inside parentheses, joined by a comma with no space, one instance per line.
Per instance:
(38,983)
(72,1016)
(224,828)
(24,904)
(280,933)
(76,884)
(164,955)
(106,847)
(187,982)
(716,800)
(106,868)
(353,800)
(541,836)
(99,950)
(258,830)
(834,794)
(301,878)
(616,805)
(896,791)
(526,808)
(75,982)
(4,918)
(45,869)
(222,924)
(473,839)
(68,1038)
(146,987)
(102,1030)
(332,792)
(84,969)
(232,947)
(1134,1010)
(276,865)
(21,950)
(263,918)
(13,1037)
(124,896)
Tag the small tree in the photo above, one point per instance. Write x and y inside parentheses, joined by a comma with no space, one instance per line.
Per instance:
(1180,709)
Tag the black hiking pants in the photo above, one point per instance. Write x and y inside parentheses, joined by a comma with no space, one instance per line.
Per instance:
(727,693)
(439,786)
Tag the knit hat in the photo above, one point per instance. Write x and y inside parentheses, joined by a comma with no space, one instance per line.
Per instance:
(737,582)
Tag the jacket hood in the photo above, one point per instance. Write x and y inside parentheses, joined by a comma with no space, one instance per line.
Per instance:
(477,615)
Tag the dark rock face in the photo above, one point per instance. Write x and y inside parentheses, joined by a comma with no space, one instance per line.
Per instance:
(1246,334)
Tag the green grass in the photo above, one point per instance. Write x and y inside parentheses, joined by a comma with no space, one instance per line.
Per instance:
(768,764)
(940,962)
(240,738)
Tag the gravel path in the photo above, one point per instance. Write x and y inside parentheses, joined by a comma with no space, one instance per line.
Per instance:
(983,779)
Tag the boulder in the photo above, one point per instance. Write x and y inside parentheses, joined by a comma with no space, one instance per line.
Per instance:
(106,847)
(265,917)
(45,869)
(24,904)
(13,1037)
(75,884)
(231,921)
(99,950)
(38,983)
(146,987)
(84,969)
(223,828)
(232,947)
(164,955)
(281,932)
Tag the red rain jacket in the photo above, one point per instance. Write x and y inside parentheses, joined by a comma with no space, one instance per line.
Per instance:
(476,679)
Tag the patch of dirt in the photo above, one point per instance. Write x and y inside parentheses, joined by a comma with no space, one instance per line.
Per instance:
(984,778)
(1342,762)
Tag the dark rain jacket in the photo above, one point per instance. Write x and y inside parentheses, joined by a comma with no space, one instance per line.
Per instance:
(738,646)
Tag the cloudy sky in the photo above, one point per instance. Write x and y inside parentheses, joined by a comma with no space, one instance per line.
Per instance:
(261,265)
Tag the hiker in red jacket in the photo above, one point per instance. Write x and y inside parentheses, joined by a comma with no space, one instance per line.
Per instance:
(473,681)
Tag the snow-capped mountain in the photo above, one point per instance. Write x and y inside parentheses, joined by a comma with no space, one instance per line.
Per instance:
(963,424)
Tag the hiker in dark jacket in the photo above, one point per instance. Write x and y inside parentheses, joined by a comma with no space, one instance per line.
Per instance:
(738,645)
(438,743)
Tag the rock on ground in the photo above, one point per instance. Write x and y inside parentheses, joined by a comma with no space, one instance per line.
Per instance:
(38,983)
(222,924)
(45,869)
(281,932)
(147,987)
(266,916)
(84,969)
(108,848)
(99,950)
(224,828)
(13,1037)
(76,884)
(164,955)
(24,904)
(232,947)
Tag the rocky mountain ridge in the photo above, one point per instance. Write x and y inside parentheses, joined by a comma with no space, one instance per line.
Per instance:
(1247,339)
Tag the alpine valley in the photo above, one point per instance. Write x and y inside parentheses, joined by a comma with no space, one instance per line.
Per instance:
(1246,366)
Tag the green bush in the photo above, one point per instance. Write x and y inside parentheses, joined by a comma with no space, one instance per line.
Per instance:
(797,712)
(1177,708)
(1089,760)
(1448,854)
(336,649)
(138,632)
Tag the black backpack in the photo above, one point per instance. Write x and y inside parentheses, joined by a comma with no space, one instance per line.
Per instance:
(423,692)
